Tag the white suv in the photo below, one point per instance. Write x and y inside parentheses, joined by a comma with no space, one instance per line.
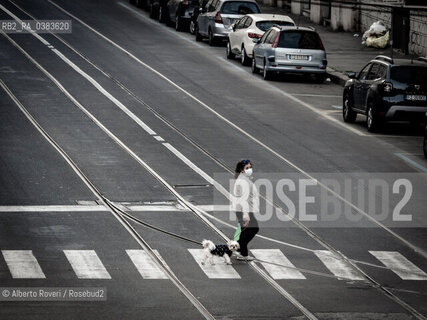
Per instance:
(248,28)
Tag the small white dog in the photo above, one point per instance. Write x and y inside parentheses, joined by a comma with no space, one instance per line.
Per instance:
(221,250)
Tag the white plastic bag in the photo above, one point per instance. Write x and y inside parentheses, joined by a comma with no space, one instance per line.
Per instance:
(377,29)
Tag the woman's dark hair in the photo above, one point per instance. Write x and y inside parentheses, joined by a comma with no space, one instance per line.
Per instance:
(239,167)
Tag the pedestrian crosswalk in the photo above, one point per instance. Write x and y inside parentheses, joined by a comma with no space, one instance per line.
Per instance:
(145,265)
(276,256)
(22,264)
(86,264)
(404,268)
(340,268)
(219,270)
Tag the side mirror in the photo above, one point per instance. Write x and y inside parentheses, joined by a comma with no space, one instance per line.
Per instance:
(352,75)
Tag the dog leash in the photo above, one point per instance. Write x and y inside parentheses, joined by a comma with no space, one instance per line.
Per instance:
(132,218)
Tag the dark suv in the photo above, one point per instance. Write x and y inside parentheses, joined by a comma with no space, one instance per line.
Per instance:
(386,90)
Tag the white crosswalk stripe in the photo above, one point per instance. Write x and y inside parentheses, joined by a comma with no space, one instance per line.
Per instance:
(86,264)
(145,265)
(401,266)
(22,264)
(337,266)
(220,270)
(276,256)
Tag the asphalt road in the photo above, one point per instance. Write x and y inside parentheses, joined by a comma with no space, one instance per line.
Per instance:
(154,122)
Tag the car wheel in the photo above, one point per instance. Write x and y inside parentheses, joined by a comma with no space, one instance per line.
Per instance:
(265,73)
(198,35)
(244,59)
(178,23)
(154,12)
(161,14)
(254,68)
(348,113)
(373,121)
(192,27)
(230,54)
(212,41)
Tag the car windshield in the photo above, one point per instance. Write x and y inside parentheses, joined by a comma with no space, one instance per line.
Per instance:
(239,7)
(265,25)
(300,40)
(409,74)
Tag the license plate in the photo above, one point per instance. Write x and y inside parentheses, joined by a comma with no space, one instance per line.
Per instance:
(297,57)
(415,97)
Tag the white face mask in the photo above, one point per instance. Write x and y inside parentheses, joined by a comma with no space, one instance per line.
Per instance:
(248,172)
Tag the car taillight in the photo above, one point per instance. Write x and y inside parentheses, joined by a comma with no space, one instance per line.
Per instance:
(276,41)
(218,18)
(387,87)
(254,35)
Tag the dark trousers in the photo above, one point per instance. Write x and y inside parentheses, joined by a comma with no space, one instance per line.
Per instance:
(248,232)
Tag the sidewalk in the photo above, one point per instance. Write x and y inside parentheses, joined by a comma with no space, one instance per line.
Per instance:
(345,52)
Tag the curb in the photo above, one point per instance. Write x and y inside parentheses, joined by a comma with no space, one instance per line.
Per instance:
(337,77)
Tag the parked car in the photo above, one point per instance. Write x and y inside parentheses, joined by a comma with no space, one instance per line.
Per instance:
(251,26)
(152,6)
(216,18)
(178,12)
(290,50)
(195,14)
(386,89)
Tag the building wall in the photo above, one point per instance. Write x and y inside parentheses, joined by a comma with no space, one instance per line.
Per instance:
(371,14)
(418,33)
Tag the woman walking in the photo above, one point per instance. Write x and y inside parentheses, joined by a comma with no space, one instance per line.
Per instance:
(246,203)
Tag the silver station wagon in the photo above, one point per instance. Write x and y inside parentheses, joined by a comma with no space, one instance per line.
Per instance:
(290,50)
(217,17)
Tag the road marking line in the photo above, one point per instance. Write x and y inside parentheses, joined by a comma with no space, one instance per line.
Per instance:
(99,208)
(337,107)
(159,138)
(52,208)
(411,162)
(220,270)
(86,264)
(22,264)
(401,266)
(195,168)
(276,256)
(145,265)
(337,266)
